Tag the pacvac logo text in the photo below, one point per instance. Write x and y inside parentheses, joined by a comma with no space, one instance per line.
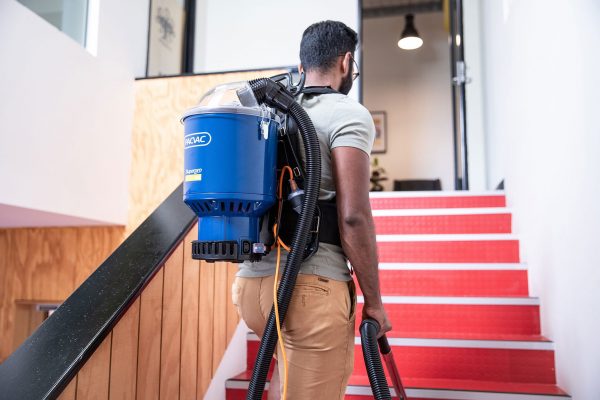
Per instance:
(197,139)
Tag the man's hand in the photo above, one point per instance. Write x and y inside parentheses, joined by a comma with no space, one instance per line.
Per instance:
(377,313)
(351,171)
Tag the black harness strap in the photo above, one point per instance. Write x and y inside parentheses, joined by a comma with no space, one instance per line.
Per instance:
(327,219)
(317,90)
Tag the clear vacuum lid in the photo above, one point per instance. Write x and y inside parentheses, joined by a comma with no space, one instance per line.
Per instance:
(234,97)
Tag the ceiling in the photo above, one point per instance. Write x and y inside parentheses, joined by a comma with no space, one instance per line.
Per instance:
(384,8)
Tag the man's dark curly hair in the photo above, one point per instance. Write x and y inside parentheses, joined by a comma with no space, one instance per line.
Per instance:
(323,41)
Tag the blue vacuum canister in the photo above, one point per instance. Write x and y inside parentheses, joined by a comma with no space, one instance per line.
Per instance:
(230,155)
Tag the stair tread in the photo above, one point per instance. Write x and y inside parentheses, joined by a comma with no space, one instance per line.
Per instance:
(448,248)
(476,336)
(451,385)
(401,194)
(440,199)
(447,237)
(458,300)
(437,266)
(441,212)
(453,283)
(442,221)
(469,385)
(463,336)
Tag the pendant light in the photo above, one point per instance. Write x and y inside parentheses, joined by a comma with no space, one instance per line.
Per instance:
(410,39)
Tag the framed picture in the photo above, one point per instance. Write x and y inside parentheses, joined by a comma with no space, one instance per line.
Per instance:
(166,37)
(380,121)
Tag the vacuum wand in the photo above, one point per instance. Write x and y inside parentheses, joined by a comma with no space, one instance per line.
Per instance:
(379,386)
(388,357)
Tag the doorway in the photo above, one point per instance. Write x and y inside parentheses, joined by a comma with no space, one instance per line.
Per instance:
(415,92)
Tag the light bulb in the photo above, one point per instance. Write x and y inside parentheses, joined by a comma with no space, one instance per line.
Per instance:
(410,39)
(410,43)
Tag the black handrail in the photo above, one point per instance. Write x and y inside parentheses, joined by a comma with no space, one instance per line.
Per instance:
(47,361)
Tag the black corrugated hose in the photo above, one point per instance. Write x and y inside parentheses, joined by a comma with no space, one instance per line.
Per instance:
(368,335)
(275,95)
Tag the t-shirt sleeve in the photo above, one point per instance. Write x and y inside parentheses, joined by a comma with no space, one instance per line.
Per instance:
(351,126)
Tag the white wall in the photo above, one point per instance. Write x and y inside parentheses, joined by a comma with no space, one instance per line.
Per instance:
(413,87)
(542,100)
(233,34)
(474,95)
(66,121)
(123,34)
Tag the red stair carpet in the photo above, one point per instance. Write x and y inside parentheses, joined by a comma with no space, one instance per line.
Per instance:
(456,292)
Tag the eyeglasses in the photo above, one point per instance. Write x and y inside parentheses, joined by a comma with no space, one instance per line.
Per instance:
(356,72)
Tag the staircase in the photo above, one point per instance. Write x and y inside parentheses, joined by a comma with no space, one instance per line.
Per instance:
(464,326)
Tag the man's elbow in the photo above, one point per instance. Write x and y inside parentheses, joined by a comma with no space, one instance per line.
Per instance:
(354,220)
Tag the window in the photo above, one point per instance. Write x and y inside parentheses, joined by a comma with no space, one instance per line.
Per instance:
(69,16)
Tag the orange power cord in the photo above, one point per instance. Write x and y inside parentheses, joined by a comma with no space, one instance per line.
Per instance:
(280,244)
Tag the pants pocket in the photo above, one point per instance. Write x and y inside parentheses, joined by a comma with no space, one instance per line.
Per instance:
(352,293)
(312,289)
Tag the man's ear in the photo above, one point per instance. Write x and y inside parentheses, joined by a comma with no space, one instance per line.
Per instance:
(300,68)
(346,63)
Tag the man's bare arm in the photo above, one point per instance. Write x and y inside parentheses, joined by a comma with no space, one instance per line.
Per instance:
(357,230)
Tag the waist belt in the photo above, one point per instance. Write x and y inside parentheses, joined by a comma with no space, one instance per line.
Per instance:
(325,222)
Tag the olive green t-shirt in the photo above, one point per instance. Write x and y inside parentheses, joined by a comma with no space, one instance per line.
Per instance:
(340,121)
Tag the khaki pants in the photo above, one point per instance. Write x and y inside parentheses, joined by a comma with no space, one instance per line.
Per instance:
(318,331)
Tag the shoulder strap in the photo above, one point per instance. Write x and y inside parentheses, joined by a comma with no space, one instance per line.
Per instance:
(292,129)
(293,138)
(318,90)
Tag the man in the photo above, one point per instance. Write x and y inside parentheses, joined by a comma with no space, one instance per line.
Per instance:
(319,327)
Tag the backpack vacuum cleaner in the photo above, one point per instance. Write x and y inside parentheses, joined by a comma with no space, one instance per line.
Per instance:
(234,150)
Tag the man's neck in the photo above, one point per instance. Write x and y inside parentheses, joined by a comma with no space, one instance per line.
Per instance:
(314,79)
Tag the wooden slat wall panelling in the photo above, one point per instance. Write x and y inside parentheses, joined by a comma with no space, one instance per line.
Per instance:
(39,265)
(170,342)
(35,318)
(47,270)
(46,264)
(124,355)
(188,385)
(22,316)
(4,287)
(148,368)
(95,245)
(4,252)
(27,318)
(232,315)
(220,316)
(7,297)
(171,326)
(205,326)
(93,379)
(70,392)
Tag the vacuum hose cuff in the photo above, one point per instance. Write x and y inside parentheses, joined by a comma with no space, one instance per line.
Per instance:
(272,93)
(368,335)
